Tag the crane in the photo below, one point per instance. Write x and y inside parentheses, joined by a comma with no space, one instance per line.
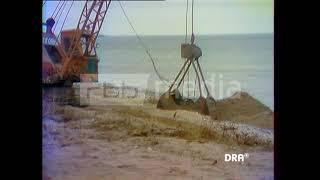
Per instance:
(73,56)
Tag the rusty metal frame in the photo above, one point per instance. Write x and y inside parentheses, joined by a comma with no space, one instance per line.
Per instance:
(89,24)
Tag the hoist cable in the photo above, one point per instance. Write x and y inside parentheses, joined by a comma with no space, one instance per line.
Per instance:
(61,12)
(186,21)
(55,8)
(142,44)
(192,17)
(56,14)
(65,19)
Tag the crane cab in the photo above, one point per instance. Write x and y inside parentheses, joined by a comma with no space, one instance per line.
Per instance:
(52,57)
(87,63)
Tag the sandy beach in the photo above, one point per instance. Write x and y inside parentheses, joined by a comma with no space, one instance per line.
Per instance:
(120,139)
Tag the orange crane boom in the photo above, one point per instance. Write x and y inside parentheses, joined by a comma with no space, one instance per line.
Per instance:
(89,24)
(84,37)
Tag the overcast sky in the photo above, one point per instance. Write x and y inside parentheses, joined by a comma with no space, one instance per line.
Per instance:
(168,17)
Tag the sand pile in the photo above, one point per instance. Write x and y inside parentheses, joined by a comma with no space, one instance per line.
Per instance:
(240,107)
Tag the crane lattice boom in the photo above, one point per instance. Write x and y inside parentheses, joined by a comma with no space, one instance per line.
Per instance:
(89,25)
